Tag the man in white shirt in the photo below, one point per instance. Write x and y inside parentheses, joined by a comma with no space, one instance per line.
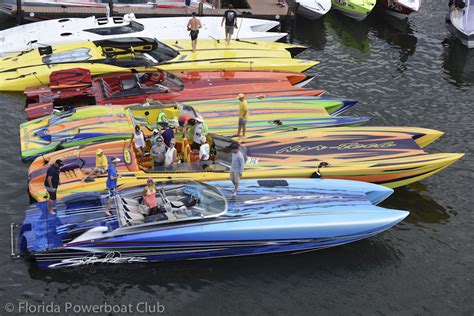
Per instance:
(237,167)
(204,149)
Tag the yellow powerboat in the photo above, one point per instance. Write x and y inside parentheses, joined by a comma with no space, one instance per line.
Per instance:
(33,68)
(391,156)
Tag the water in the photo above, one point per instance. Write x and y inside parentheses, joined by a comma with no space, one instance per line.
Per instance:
(405,73)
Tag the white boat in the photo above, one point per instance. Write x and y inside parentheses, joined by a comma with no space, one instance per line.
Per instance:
(30,36)
(311,9)
(461,23)
(178,3)
(401,8)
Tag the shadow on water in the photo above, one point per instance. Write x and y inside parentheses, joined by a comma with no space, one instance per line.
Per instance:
(416,199)
(458,62)
(312,32)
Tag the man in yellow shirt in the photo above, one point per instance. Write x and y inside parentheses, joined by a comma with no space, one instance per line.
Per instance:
(243,114)
(101,164)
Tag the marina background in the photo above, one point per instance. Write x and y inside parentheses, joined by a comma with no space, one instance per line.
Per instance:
(408,73)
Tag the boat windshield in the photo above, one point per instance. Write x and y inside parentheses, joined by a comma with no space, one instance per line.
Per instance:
(73,55)
(131,27)
(176,202)
(162,53)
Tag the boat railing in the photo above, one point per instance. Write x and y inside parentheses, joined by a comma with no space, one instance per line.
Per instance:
(13,228)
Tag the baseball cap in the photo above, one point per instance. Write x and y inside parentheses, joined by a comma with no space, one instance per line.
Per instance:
(155,131)
(59,162)
(115,159)
(98,151)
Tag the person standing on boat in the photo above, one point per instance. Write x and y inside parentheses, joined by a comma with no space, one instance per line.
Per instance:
(204,153)
(51,184)
(149,196)
(139,139)
(237,167)
(171,155)
(230,19)
(111,183)
(161,120)
(168,134)
(158,152)
(243,115)
(155,136)
(200,129)
(193,27)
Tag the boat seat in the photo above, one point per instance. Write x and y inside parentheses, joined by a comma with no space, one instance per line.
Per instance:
(93,233)
(131,202)
(132,213)
(176,204)
(135,218)
(106,88)
(128,84)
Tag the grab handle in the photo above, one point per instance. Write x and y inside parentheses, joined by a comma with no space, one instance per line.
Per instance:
(13,226)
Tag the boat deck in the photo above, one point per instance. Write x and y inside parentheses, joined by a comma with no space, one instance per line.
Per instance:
(264,9)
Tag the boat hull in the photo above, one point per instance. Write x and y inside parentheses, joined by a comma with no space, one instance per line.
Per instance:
(18,72)
(262,219)
(309,13)
(460,23)
(399,9)
(192,86)
(392,157)
(29,36)
(354,9)
(99,124)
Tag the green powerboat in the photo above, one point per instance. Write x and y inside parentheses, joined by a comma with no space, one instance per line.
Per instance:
(356,9)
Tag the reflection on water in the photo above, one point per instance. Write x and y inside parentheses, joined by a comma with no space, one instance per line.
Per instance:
(397,33)
(350,33)
(423,208)
(313,33)
(458,62)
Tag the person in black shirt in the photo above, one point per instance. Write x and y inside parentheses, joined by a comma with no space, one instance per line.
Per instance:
(456,4)
(51,184)
(230,19)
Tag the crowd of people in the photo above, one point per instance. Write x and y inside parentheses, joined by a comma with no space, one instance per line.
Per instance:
(160,147)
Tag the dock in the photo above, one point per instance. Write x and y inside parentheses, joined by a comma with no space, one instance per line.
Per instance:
(263,9)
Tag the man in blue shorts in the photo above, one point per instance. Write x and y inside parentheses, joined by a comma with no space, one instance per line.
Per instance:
(111,183)
(51,184)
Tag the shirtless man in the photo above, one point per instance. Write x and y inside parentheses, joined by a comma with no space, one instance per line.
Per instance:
(193,27)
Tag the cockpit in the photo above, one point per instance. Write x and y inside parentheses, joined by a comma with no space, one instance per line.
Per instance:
(220,156)
(175,202)
(188,151)
(140,83)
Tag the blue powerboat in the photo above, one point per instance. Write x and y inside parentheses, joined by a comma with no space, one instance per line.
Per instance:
(203,221)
